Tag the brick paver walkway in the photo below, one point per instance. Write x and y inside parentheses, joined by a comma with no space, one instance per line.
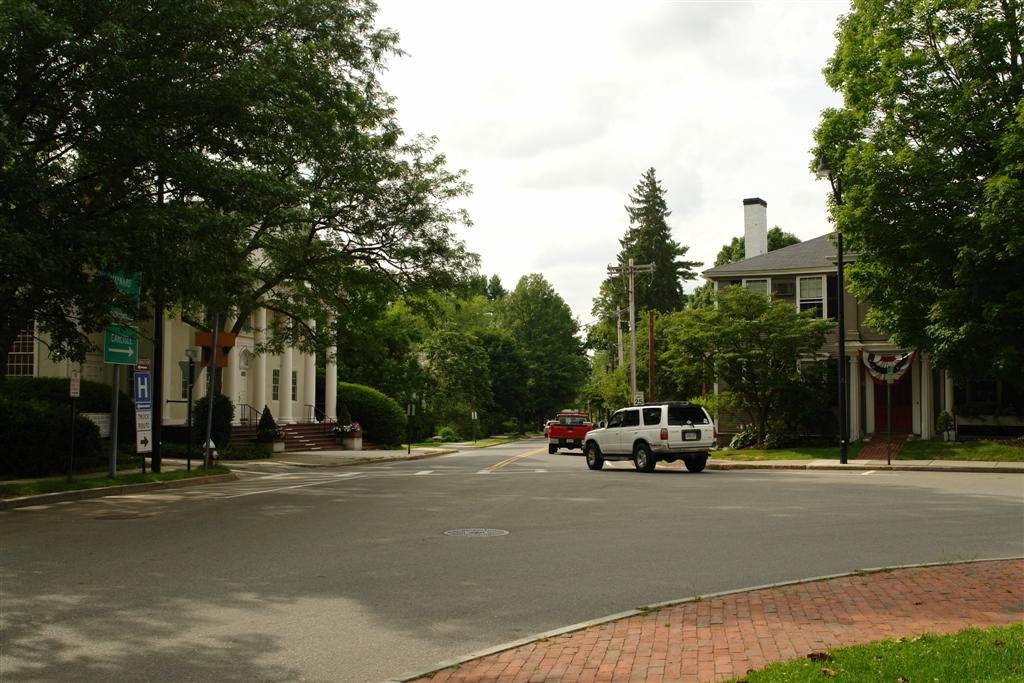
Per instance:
(722,637)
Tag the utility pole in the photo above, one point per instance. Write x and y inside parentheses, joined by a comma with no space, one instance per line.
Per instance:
(630,272)
(650,355)
(618,335)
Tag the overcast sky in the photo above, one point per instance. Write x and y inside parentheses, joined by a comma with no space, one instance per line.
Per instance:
(556,108)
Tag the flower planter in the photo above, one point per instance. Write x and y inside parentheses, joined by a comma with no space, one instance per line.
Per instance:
(352,441)
(271,446)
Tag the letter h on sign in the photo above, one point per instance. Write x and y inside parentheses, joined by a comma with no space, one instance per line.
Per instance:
(143,397)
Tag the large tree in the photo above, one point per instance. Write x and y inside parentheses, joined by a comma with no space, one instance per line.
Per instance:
(927,155)
(752,344)
(649,240)
(240,154)
(541,324)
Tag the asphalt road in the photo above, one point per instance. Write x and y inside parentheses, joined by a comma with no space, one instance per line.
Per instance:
(346,574)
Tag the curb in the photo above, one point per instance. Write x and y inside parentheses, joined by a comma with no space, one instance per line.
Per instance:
(103,491)
(1000,468)
(361,461)
(410,676)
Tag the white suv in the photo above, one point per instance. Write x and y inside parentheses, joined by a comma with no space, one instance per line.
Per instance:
(649,433)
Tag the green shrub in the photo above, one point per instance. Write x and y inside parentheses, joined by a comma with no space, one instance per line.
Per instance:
(382,419)
(745,438)
(36,438)
(223,413)
(267,430)
(344,417)
(95,398)
(448,433)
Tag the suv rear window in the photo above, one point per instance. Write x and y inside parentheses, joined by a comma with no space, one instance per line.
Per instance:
(631,418)
(681,415)
(652,416)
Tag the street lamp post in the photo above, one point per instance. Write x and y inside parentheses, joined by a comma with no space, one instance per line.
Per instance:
(823,171)
(630,270)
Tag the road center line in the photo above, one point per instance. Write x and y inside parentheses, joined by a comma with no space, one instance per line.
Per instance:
(516,458)
(421,473)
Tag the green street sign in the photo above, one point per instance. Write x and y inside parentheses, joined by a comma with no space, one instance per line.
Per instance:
(120,345)
(120,340)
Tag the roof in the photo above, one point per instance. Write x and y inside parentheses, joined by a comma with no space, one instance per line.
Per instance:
(818,254)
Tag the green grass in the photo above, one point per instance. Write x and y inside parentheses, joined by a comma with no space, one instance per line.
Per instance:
(993,654)
(796,453)
(991,451)
(32,488)
(480,443)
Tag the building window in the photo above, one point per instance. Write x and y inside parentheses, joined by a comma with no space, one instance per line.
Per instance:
(811,295)
(295,385)
(756,286)
(832,300)
(21,357)
(184,383)
(275,384)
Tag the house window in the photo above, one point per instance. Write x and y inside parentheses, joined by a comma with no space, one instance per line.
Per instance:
(295,385)
(756,286)
(184,383)
(275,385)
(811,295)
(21,358)
(832,298)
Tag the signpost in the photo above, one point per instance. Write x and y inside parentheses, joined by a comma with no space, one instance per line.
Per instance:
(142,382)
(74,391)
(638,398)
(121,347)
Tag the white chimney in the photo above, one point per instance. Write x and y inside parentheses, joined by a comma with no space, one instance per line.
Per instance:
(755,227)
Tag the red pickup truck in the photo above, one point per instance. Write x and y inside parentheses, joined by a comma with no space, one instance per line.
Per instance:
(568,430)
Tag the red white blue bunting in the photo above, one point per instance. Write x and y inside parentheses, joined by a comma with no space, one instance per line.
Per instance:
(884,367)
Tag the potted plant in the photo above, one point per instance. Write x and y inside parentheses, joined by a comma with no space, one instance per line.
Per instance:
(351,434)
(268,432)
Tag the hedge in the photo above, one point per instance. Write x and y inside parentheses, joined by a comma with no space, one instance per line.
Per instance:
(36,438)
(382,419)
(95,398)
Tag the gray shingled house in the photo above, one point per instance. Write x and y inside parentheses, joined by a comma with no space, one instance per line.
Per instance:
(804,275)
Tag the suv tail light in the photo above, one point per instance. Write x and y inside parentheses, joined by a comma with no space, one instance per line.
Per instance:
(664,434)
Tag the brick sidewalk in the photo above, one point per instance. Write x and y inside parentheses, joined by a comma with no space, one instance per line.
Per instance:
(722,637)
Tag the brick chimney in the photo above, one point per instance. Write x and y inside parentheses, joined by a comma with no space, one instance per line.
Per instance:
(755,227)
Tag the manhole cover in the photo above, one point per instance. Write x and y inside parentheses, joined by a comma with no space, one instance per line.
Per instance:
(476,532)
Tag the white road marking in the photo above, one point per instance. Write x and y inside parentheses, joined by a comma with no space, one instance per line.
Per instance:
(296,486)
(868,472)
(421,472)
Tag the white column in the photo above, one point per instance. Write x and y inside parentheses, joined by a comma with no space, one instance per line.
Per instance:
(309,380)
(285,392)
(947,401)
(230,388)
(331,381)
(259,367)
(869,405)
(915,392)
(853,382)
(927,407)
(170,370)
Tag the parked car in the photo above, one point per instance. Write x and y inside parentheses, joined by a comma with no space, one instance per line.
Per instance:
(657,431)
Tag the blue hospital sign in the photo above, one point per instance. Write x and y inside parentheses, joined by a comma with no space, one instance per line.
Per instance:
(143,390)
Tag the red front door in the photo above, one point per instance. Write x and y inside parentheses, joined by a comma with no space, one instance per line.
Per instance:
(902,406)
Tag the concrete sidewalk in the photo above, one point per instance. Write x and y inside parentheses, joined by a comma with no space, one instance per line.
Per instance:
(722,636)
(864,465)
(342,458)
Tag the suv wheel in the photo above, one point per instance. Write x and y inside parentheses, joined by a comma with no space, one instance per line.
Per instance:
(695,463)
(595,460)
(643,459)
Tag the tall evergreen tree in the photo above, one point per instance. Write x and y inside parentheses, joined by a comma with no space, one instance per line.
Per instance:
(649,240)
